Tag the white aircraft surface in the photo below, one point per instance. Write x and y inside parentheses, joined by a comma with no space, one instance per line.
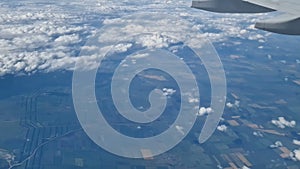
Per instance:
(286,23)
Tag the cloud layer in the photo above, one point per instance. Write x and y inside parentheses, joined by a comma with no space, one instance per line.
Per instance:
(47,37)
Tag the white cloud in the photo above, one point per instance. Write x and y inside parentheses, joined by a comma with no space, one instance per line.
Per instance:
(222,128)
(204,111)
(282,123)
(168,92)
(269,57)
(276,144)
(153,41)
(258,134)
(139,55)
(193,100)
(235,104)
(245,167)
(122,47)
(38,40)
(33,38)
(230,105)
(296,142)
(89,48)
(180,129)
(67,39)
(295,155)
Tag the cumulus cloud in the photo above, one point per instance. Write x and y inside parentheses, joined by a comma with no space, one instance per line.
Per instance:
(295,155)
(139,55)
(153,41)
(282,123)
(296,142)
(168,92)
(222,128)
(245,167)
(235,104)
(230,105)
(33,38)
(122,47)
(204,111)
(276,144)
(258,134)
(38,41)
(193,100)
(67,39)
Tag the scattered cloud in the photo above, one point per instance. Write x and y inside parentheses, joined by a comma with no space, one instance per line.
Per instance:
(230,105)
(258,134)
(282,123)
(67,40)
(245,167)
(139,55)
(276,144)
(204,111)
(122,47)
(295,155)
(296,142)
(42,40)
(193,100)
(153,41)
(222,128)
(235,57)
(47,39)
(180,129)
(235,104)
(168,92)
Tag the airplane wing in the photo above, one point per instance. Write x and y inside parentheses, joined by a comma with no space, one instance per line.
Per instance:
(287,6)
(287,23)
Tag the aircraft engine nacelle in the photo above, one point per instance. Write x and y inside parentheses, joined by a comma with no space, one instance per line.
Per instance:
(283,24)
(229,6)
